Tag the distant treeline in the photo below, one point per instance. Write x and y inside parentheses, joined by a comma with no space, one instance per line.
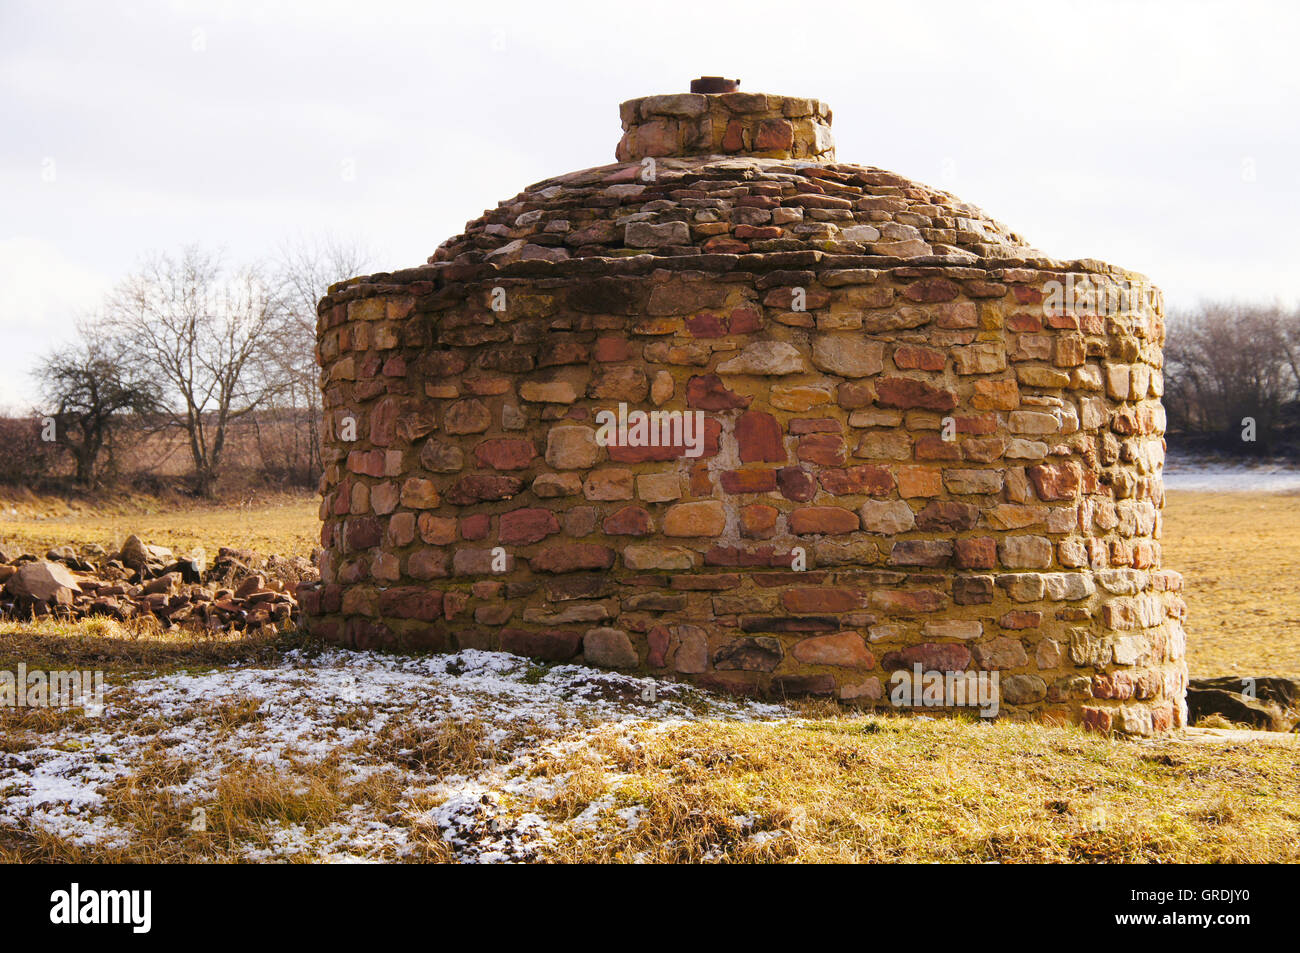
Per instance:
(1232,380)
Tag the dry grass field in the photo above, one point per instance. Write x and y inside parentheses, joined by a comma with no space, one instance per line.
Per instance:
(296,753)
(1240,556)
(287,525)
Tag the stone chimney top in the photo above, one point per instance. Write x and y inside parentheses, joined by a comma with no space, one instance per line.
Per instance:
(715,118)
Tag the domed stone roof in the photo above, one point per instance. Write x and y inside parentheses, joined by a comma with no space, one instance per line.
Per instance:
(731,173)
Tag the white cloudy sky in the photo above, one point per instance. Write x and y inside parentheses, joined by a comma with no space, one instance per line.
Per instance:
(1161,136)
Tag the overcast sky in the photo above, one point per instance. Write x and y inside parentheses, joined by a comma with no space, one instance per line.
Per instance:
(1160,136)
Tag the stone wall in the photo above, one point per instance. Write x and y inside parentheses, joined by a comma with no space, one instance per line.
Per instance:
(904,464)
(755,124)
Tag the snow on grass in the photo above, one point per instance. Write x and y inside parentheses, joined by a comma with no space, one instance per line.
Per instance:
(345,709)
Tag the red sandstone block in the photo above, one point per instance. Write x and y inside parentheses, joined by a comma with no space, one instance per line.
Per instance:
(701,482)
(309,599)
(982,424)
(919,481)
(629,521)
(480,487)
(364,634)
(1092,323)
(976,553)
(931,290)
(723,245)
(361,533)
(1055,481)
(475,526)
(368,462)
(744,321)
(428,564)
(505,453)
(438,530)
(867,479)
(712,435)
(774,135)
(1062,321)
(759,437)
(411,602)
(910,358)
(809,520)
(825,449)
(748,481)
(738,556)
(1162,718)
(908,393)
(796,484)
(854,395)
(1021,619)
(572,557)
(749,232)
(977,288)
(527,525)
(906,602)
(708,392)
(758,521)
(806,425)
(1022,322)
(453,603)
(932,657)
(1144,554)
(1118,685)
(934,447)
(995,395)
(657,641)
(706,325)
(921,552)
(947,516)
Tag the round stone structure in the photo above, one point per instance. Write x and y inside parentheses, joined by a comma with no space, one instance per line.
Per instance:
(895,440)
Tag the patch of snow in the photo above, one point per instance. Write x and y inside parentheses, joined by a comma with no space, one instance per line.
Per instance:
(307,708)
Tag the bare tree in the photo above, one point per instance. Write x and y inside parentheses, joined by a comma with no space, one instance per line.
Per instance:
(1225,362)
(204,332)
(88,388)
(305,269)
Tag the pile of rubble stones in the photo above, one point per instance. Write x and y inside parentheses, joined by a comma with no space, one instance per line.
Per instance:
(239,590)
